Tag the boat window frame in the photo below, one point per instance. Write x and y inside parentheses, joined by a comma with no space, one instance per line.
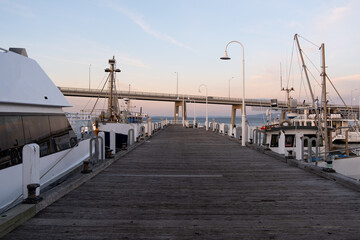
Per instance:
(274,140)
(49,142)
(289,140)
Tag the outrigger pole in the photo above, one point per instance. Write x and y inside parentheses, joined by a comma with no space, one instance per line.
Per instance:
(323,74)
(310,89)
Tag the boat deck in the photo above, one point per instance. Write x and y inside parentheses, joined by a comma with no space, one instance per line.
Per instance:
(191,184)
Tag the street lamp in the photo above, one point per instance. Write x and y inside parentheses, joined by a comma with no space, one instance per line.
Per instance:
(352,97)
(243,115)
(195,114)
(183,111)
(89,75)
(194,121)
(206,100)
(177,85)
(229,85)
(359,110)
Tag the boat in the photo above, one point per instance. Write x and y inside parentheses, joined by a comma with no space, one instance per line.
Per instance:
(121,127)
(328,124)
(283,135)
(37,145)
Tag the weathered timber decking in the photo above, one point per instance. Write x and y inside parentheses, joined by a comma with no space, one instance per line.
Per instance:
(192,184)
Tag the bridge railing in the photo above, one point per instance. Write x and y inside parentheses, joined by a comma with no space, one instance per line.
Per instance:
(185,97)
(180,97)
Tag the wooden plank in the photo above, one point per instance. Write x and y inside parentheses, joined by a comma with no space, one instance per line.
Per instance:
(192,184)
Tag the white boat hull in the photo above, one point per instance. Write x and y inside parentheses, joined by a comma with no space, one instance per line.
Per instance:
(52,168)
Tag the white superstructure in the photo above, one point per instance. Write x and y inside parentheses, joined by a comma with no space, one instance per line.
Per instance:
(38,144)
(24,82)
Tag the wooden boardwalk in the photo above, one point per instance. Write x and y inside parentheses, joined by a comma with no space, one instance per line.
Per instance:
(192,184)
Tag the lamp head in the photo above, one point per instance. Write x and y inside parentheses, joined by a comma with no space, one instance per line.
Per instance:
(225,57)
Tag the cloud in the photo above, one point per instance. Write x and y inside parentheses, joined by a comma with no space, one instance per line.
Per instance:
(335,16)
(120,58)
(350,78)
(83,51)
(133,61)
(138,20)
(257,77)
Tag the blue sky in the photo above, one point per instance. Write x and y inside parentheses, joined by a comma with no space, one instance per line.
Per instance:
(152,40)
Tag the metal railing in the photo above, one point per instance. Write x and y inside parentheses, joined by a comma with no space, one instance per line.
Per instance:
(82,92)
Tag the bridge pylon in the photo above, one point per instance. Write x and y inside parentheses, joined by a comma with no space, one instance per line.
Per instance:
(178,104)
(233,113)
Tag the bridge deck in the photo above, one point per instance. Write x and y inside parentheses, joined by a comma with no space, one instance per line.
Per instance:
(191,184)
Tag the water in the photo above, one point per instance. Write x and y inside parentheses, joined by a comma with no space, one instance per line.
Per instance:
(253,120)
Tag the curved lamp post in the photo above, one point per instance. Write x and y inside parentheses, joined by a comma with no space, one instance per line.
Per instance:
(177,85)
(195,114)
(206,99)
(352,98)
(243,115)
(229,85)
(183,111)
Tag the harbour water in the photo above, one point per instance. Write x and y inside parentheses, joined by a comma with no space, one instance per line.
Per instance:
(257,120)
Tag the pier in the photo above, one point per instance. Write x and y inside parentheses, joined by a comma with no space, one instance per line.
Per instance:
(191,184)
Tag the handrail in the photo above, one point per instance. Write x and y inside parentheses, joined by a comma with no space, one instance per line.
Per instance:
(186,97)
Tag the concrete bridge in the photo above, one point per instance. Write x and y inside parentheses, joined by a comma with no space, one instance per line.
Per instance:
(180,100)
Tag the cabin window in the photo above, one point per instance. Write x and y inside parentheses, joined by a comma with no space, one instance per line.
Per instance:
(61,132)
(11,141)
(52,133)
(37,130)
(313,141)
(289,140)
(274,140)
(308,124)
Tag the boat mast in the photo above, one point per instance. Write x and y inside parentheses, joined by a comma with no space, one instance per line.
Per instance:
(309,85)
(286,89)
(323,74)
(113,99)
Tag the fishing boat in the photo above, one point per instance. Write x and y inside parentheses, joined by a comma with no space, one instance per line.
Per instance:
(37,144)
(318,120)
(121,127)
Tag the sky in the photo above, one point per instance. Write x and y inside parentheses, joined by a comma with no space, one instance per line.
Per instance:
(151,40)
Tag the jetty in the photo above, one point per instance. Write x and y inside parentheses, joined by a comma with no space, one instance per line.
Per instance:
(187,183)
